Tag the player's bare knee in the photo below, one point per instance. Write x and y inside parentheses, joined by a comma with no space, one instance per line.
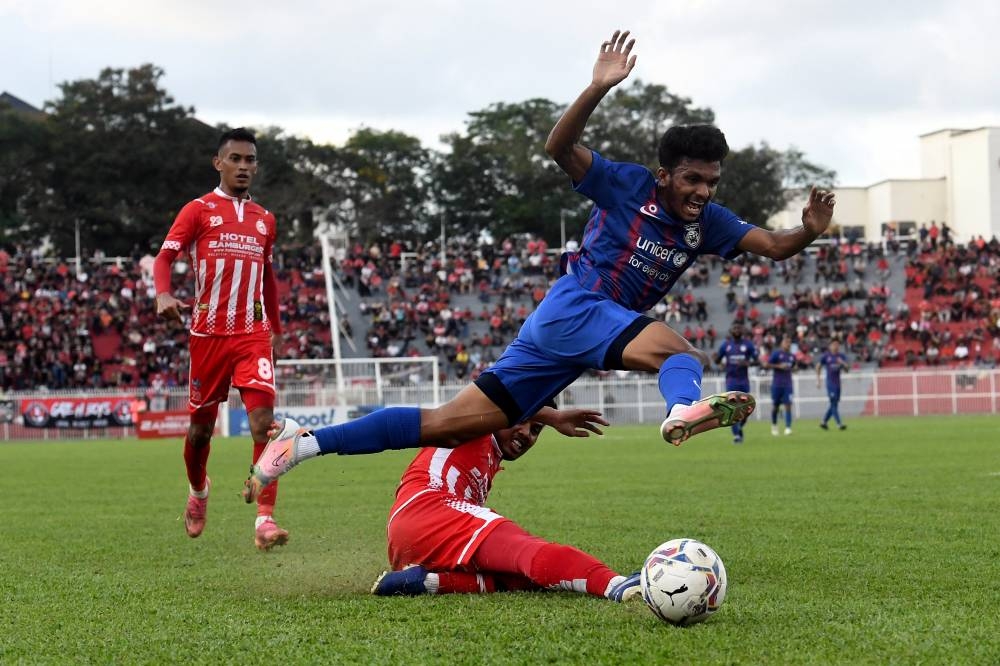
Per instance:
(260,422)
(200,434)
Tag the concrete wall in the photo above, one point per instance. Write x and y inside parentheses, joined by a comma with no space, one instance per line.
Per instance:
(960,186)
(969,185)
(935,153)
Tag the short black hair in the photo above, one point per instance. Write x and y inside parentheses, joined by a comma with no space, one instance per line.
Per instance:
(237,134)
(697,142)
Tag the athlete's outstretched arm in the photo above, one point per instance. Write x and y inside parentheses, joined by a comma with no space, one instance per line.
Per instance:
(612,67)
(571,422)
(780,245)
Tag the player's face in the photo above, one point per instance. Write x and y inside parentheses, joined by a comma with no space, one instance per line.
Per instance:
(786,344)
(515,442)
(834,347)
(736,331)
(237,165)
(686,189)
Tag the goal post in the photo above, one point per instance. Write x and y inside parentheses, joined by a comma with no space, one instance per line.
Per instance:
(360,381)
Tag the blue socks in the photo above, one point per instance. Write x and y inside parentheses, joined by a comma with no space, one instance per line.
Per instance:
(788,415)
(388,428)
(680,380)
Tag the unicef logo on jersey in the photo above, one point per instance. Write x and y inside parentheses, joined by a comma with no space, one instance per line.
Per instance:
(261,227)
(692,235)
(680,259)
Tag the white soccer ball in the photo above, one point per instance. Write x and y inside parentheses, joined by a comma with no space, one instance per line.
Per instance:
(683,581)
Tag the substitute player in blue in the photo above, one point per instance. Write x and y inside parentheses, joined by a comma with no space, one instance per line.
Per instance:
(736,355)
(645,229)
(782,361)
(834,361)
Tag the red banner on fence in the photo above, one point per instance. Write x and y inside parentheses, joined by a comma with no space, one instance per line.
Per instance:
(163,424)
(77,412)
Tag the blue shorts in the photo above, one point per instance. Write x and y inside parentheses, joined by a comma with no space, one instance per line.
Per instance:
(573,330)
(738,386)
(833,392)
(781,395)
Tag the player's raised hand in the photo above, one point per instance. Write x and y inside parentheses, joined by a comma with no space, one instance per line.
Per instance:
(613,63)
(169,307)
(818,212)
(577,422)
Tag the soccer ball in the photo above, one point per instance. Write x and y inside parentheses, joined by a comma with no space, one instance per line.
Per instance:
(683,581)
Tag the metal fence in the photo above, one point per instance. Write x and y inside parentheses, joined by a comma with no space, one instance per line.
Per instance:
(623,397)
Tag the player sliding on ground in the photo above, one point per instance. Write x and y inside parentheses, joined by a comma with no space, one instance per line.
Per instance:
(443,539)
(645,229)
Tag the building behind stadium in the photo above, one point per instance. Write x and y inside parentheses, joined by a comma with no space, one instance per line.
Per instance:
(959,186)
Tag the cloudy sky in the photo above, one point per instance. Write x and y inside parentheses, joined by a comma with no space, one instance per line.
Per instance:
(850,83)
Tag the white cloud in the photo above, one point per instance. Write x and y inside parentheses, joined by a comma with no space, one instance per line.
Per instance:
(850,83)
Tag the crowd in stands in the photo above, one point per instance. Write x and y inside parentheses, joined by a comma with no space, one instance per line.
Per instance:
(61,328)
(845,297)
(97,328)
(954,295)
(411,297)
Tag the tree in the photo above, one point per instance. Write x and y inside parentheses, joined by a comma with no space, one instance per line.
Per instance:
(24,149)
(627,126)
(122,154)
(498,177)
(385,180)
(295,181)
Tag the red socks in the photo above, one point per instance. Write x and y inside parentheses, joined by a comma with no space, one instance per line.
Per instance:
(196,462)
(510,550)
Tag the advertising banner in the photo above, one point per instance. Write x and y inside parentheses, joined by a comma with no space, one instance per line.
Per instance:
(77,412)
(307,417)
(162,424)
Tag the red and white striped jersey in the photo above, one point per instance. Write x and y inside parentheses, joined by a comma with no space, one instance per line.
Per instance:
(229,241)
(466,471)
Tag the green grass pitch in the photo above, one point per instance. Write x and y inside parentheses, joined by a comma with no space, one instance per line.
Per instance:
(880,544)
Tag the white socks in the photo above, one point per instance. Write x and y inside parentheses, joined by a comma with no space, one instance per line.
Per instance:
(675,408)
(613,582)
(431,583)
(308,447)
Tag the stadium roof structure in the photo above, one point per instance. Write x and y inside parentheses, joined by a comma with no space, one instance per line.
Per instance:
(17,104)
(956,131)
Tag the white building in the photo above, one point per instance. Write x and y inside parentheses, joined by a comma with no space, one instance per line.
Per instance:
(959,185)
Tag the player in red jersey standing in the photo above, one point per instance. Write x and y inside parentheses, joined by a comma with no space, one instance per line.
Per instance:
(230,239)
(444,540)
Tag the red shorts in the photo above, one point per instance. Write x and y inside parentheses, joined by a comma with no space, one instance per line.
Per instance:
(219,361)
(438,530)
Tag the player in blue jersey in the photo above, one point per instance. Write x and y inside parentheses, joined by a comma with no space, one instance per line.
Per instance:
(782,361)
(834,361)
(645,229)
(736,355)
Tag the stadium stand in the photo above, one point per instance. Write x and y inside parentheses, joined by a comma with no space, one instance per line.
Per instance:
(908,304)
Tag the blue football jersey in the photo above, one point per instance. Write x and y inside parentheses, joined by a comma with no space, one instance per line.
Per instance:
(832,362)
(782,376)
(632,250)
(733,355)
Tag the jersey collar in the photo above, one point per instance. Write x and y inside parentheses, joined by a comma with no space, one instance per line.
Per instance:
(220,193)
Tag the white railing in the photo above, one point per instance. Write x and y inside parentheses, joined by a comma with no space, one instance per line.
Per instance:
(624,398)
